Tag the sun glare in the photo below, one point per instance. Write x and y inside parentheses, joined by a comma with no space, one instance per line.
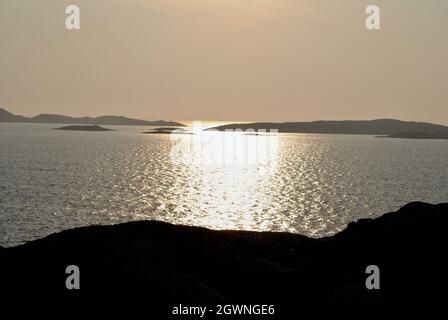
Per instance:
(230,166)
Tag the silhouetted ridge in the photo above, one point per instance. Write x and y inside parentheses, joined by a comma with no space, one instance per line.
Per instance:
(6,116)
(162,261)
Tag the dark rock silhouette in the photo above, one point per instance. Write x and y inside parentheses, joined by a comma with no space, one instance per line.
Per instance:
(179,264)
(84,128)
(6,116)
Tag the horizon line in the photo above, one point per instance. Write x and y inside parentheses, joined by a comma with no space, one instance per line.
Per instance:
(223,120)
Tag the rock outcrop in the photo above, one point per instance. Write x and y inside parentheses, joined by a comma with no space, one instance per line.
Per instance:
(180,264)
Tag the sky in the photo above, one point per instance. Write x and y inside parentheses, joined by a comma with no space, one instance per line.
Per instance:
(230,60)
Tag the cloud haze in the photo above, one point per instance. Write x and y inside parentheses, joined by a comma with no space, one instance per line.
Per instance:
(275,60)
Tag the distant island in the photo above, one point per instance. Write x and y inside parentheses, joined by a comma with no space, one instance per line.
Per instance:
(167,130)
(387,127)
(6,116)
(414,135)
(84,128)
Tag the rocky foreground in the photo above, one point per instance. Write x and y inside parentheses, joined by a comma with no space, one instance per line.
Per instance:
(187,264)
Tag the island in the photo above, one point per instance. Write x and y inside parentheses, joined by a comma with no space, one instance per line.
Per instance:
(180,264)
(414,135)
(84,128)
(365,127)
(6,116)
(167,130)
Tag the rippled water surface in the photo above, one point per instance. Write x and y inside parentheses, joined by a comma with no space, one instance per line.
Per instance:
(53,180)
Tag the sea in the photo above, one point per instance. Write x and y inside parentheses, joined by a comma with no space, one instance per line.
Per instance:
(309,184)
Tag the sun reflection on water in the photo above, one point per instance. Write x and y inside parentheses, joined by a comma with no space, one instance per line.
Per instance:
(229,177)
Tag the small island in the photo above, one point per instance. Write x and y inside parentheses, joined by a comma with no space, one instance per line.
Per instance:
(414,135)
(167,130)
(84,128)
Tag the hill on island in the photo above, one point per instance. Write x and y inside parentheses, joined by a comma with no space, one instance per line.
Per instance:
(6,116)
(369,127)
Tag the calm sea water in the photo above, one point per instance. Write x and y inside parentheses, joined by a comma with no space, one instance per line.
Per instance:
(54,180)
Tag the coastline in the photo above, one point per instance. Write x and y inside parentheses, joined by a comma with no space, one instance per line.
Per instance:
(168,262)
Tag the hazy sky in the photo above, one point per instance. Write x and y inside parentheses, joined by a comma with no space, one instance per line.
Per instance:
(274,60)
